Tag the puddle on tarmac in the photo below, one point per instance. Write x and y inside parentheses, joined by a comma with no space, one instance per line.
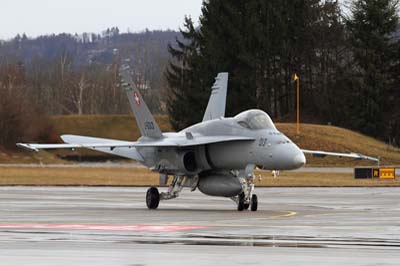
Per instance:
(206,239)
(277,241)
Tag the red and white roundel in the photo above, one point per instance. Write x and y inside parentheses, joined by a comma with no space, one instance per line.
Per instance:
(136,97)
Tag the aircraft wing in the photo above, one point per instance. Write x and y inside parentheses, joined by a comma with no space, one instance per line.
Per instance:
(36,147)
(74,141)
(346,155)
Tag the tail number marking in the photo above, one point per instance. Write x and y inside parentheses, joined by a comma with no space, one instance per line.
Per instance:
(149,125)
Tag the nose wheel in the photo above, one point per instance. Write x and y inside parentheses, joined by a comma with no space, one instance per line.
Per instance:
(254,203)
(243,205)
(241,202)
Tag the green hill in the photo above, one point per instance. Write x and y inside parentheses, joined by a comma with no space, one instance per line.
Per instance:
(331,138)
(316,137)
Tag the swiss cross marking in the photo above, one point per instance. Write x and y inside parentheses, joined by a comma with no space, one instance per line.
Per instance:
(136,97)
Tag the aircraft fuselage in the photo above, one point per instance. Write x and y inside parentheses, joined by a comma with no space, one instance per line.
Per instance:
(269,149)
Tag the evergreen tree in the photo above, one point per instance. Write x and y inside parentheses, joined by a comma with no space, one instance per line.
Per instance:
(393,112)
(227,29)
(221,44)
(261,44)
(370,29)
(185,79)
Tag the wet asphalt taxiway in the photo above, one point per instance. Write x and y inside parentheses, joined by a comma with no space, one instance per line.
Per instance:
(112,226)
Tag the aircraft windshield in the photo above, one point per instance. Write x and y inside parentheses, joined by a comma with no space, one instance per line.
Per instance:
(255,119)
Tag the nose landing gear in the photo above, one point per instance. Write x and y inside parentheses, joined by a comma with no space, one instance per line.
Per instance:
(243,205)
(246,198)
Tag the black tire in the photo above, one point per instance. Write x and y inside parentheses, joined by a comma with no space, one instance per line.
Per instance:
(254,203)
(246,206)
(152,198)
(240,206)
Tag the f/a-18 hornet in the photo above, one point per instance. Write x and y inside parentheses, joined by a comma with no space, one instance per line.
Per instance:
(218,155)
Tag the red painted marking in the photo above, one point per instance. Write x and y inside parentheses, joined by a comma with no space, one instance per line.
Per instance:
(150,228)
(136,97)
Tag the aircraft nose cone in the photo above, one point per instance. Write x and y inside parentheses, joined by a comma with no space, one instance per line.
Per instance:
(299,160)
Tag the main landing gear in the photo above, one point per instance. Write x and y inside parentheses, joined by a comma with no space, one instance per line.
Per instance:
(245,200)
(153,197)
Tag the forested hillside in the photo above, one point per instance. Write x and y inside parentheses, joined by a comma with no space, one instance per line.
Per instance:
(77,74)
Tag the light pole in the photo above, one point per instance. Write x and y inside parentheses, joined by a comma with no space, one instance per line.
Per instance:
(297,80)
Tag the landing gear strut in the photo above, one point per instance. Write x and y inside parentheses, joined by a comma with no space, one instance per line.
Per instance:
(153,197)
(174,189)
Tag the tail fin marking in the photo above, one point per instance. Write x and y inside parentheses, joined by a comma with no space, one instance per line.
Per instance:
(145,120)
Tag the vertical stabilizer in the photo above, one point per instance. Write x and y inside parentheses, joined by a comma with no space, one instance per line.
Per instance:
(145,120)
(217,101)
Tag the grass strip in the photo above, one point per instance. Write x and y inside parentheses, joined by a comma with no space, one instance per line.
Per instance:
(103,176)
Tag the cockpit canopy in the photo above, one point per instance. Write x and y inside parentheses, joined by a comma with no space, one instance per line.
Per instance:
(254,119)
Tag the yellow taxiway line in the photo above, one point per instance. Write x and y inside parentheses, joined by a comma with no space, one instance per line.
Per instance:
(221,223)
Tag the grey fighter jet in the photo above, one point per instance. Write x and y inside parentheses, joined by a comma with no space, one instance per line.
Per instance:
(218,156)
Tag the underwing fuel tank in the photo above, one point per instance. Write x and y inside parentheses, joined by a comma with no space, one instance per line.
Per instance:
(219,184)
